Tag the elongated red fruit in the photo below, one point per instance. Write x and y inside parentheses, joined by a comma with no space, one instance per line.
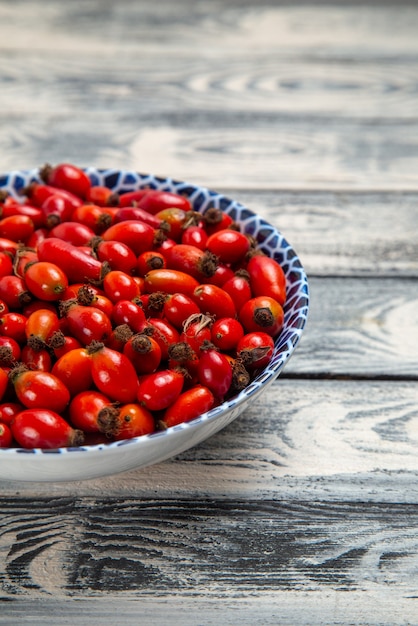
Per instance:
(135,213)
(156,200)
(42,428)
(170,281)
(113,373)
(39,193)
(136,235)
(77,265)
(67,176)
(267,278)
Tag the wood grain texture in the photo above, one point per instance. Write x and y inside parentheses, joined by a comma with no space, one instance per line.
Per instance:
(300,102)
(210,551)
(304,510)
(362,327)
(205,546)
(344,234)
(385,607)
(328,440)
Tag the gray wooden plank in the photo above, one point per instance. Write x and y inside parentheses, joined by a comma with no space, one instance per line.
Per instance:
(370,27)
(325,109)
(344,234)
(220,150)
(360,326)
(378,607)
(212,552)
(261,82)
(322,440)
(305,509)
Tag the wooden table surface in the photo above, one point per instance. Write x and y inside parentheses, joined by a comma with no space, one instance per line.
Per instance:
(305,509)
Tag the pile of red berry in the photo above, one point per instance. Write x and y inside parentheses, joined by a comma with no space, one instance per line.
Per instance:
(124,314)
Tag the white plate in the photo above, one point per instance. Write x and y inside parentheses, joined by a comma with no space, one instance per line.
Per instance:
(85,462)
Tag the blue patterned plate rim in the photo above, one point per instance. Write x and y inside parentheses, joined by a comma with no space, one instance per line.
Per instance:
(270,240)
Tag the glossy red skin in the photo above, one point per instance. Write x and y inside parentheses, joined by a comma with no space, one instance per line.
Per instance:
(175,218)
(165,245)
(195,236)
(253,342)
(38,193)
(221,276)
(239,289)
(225,222)
(226,332)
(155,201)
(13,325)
(6,265)
(70,343)
(114,375)
(150,260)
(102,196)
(195,335)
(127,312)
(118,285)
(84,410)
(37,236)
(73,232)
(170,281)
(56,209)
(6,436)
(36,305)
(17,228)
(164,334)
(46,281)
(69,177)
(134,421)
(215,372)
(7,245)
(267,278)
(13,291)
(42,324)
(135,213)
(37,389)
(77,266)
(229,245)
(10,351)
(159,390)
(9,410)
(138,236)
(178,307)
(131,198)
(249,310)
(87,324)
(214,300)
(17,208)
(4,381)
(189,405)
(144,363)
(188,259)
(74,369)
(36,359)
(103,303)
(92,216)
(140,282)
(118,255)
(43,428)
(73,290)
